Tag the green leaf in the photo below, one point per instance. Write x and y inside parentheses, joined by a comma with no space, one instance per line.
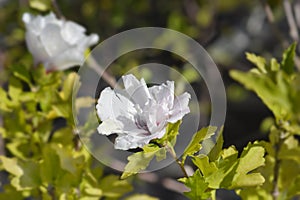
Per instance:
(274,93)
(140,160)
(41,5)
(194,146)
(5,103)
(84,102)
(24,172)
(202,162)
(67,90)
(171,133)
(288,174)
(275,66)
(22,73)
(255,194)
(260,62)
(11,193)
(217,149)
(11,166)
(93,191)
(140,197)
(68,160)
(50,165)
(19,148)
(230,172)
(287,63)
(226,164)
(113,187)
(15,89)
(199,188)
(251,159)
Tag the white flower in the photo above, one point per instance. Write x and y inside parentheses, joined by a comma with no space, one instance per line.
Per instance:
(138,114)
(59,44)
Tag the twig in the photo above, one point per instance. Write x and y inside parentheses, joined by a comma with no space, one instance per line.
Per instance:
(293,26)
(173,154)
(57,9)
(275,191)
(291,20)
(99,69)
(271,19)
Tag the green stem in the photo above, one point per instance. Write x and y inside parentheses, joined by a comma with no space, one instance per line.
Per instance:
(173,154)
(275,190)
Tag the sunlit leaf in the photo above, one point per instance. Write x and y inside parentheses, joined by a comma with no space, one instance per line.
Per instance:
(198,186)
(194,145)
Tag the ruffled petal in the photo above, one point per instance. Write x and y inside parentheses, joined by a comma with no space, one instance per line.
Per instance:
(67,59)
(125,142)
(52,40)
(34,24)
(137,90)
(87,41)
(35,47)
(72,33)
(180,107)
(112,104)
(163,94)
(109,126)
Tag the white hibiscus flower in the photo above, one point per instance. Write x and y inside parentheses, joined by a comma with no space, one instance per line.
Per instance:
(59,44)
(138,114)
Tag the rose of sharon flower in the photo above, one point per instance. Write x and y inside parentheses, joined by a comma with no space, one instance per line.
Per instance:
(59,44)
(138,114)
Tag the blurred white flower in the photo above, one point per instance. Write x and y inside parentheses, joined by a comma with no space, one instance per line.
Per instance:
(59,44)
(138,114)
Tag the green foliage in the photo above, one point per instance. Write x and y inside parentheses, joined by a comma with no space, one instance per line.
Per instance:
(140,197)
(276,84)
(170,136)
(194,146)
(198,186)
(140,160)
(41,5)
(278,87)
(226,170)
(44,162)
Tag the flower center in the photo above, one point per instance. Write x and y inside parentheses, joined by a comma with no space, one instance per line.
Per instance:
(141,124)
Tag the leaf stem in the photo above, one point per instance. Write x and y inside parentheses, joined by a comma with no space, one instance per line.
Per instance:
(277,146)
(173,154)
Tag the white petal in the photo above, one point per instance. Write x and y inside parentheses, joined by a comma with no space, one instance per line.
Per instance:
(112,104)
(129,126)
(52,40)
(137,90)
(67,59)
(180,108)
(125,142)
(93,39)
(87,41)
(33,24)
(108,127)
(26,18)
(164,93)
(154,114)
(35,47)
(51,18)
(72,32)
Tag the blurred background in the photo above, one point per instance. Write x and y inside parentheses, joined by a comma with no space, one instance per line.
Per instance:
(226,29)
